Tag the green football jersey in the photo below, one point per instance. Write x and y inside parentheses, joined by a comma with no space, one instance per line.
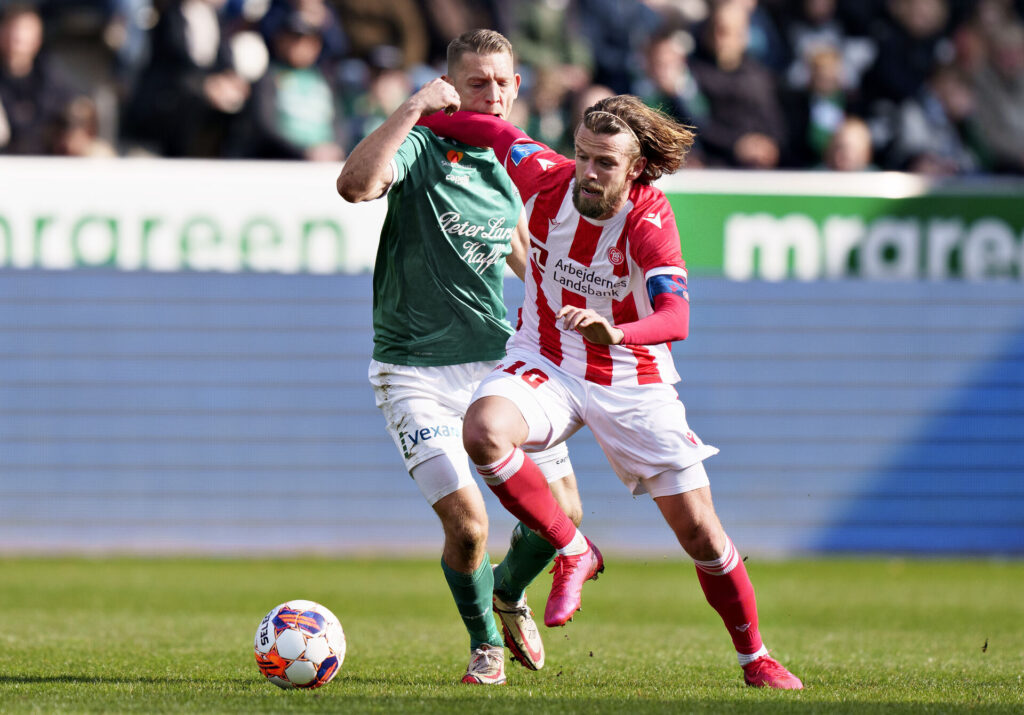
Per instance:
(437,282)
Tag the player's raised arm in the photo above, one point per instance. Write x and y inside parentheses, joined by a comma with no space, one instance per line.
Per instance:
(367,172)
(477,129)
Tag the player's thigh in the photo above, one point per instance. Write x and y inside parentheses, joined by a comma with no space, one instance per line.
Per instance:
(423,410)
(546,401)
(644,433)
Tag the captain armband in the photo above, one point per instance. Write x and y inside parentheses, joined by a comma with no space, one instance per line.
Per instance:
(674,283)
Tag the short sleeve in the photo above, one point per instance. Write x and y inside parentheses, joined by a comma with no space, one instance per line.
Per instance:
(408,153)
(654,236)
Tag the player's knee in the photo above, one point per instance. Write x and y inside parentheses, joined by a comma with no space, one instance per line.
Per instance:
(703,541)
(466,536)
(483,435)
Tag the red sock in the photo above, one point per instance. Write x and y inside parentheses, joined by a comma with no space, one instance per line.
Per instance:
(729,591)
(522,489)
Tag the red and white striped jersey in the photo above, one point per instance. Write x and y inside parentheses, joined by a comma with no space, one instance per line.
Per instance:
(601,265)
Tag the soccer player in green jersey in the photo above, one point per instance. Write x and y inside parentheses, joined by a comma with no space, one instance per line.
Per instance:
(453,222)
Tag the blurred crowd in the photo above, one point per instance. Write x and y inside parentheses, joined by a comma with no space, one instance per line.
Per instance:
(927,86)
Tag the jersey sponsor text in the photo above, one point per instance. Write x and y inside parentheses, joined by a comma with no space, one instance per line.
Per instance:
(584,281)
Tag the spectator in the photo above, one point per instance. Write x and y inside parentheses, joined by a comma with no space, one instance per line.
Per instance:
(387,89)
(744,127)
(616,32)
(548,118)
(764,41)
(817,25)
(546,33)
(971,38)
(33,92)
(316,13)
(937,131)
(813,115)
(398,25)
(668,84)
(1000,94)
(294,112)
(189,94)
(77,133)
(671,87)
(126,34)
(447,19)
(909,49)
(861,17)
(586,98)
(850,147)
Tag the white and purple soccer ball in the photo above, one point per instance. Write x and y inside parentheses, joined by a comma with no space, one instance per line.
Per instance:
(299,644)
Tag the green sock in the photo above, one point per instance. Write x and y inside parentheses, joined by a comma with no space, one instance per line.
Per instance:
(528,555)
(472,593)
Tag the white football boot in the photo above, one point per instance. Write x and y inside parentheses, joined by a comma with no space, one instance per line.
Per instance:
(486,666)
(521,634)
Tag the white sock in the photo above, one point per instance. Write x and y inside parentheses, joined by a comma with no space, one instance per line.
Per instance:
(745,658)
(577,546)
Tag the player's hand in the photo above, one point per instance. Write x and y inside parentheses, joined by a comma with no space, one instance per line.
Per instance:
(590,324)
(434,96)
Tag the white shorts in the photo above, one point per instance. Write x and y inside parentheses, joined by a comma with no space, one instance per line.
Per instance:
(424,408)
(642,429)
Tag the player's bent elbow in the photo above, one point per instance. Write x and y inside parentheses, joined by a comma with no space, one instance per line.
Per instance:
(355,188)
(348,189)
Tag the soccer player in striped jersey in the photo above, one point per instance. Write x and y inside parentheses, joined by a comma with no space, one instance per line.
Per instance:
(439,327)
(606,294)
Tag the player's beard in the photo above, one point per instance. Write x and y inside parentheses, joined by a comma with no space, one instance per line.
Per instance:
(596,208)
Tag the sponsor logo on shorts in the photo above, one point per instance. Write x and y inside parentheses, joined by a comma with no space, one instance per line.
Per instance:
(410,440)
(691,437)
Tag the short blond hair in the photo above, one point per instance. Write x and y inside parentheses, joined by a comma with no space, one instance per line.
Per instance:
(481,42)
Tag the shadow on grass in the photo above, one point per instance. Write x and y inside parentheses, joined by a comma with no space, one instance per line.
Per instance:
(109,680)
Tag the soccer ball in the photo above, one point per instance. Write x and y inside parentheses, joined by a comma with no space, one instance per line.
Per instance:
(299,644)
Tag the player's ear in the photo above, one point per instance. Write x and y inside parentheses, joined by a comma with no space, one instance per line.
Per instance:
(519,81)
(448,79)
(637,169)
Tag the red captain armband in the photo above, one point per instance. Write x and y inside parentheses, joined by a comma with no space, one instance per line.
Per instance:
(670,321)
(476,129)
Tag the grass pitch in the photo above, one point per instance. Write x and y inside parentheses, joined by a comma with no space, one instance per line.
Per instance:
(171,635)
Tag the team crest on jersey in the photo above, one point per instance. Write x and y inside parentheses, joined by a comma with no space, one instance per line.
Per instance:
(520,151)
(454,156)
(616,256)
